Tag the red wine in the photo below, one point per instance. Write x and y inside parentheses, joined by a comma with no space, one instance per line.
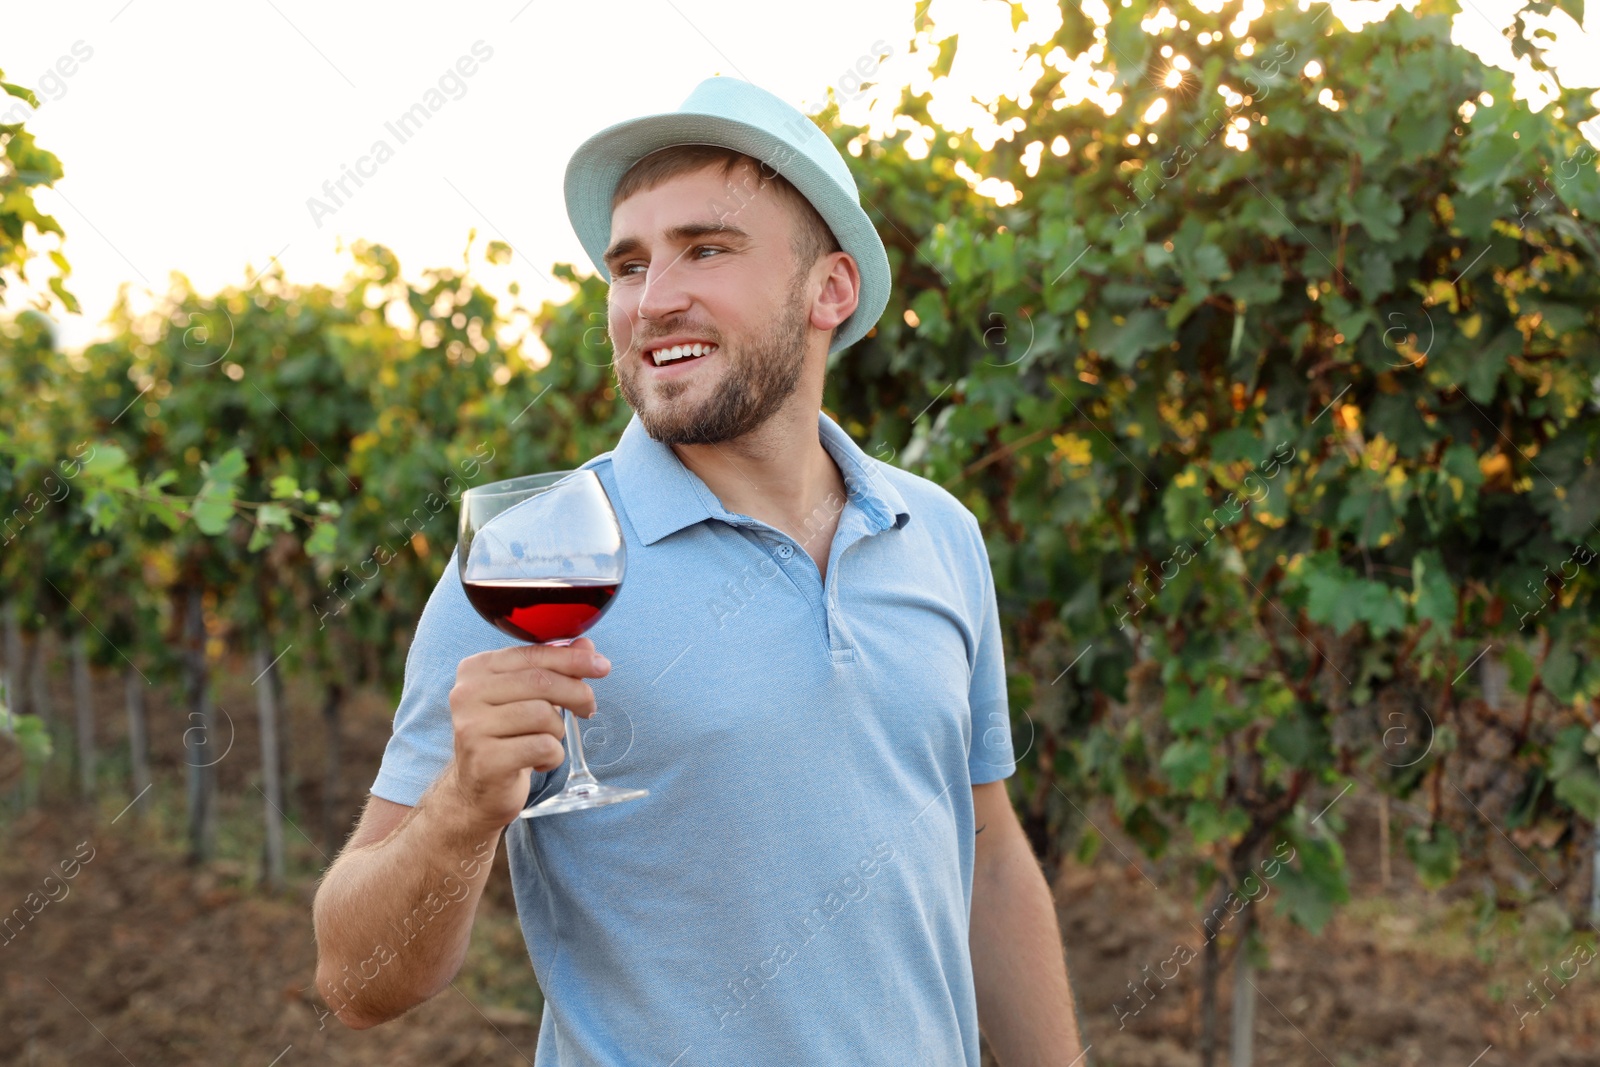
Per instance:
(535,610)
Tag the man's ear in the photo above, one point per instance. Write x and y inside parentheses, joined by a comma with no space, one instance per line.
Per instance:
(840,293)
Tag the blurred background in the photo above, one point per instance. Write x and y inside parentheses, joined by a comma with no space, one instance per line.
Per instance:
(1261,337)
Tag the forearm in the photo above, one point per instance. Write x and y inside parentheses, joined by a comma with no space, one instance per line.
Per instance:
(393,919)
(1019,968)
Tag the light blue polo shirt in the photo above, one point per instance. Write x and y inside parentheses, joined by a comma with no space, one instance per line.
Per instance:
(797,887)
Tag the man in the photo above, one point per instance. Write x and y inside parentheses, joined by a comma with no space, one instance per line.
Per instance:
(808,679)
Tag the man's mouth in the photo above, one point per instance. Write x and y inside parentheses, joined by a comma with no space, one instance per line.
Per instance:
(661,357)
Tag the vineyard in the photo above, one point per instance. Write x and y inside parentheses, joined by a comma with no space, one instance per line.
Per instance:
(1279,407)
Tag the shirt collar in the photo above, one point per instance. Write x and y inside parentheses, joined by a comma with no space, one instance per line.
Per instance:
(661,496)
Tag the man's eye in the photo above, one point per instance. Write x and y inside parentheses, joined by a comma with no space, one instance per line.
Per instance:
(634,267)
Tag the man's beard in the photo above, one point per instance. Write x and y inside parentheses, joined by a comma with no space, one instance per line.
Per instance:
(758,378)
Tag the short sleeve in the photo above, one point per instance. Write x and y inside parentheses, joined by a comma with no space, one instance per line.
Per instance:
(992,756)
(422,743)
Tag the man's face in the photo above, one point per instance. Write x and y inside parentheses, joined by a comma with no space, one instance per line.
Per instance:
(706,259)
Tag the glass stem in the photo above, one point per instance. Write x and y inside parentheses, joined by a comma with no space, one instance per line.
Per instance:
(579,780)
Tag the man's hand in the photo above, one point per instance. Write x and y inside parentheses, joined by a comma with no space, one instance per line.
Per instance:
(506,713)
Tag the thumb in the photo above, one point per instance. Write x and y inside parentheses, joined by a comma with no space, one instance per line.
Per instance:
(583,643)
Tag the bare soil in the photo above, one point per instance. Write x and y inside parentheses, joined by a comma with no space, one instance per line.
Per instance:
(141,958)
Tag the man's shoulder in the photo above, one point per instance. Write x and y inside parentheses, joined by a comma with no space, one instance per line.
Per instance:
(930,503)
(602,460)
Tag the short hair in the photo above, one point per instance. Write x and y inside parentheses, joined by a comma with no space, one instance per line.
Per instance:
(812,238)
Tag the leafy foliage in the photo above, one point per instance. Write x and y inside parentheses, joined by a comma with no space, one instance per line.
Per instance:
(1276,402)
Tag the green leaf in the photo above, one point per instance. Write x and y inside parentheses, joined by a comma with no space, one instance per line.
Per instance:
(1576,514)
(284,487)
(1298,738)
(70,302)
(226,469)
(1210,263)
(1186,763)
(933,321)
(1576,776)
(1397,419)
(1330,601)
(1433,595)
(21,94)
(1461,476)
(212,510)
(323,541)
(1519,668)
(1381,607)
(1575,772)
(165,514)
(1308,893)
(1379,210)
(274,515)
(107,459)
(1191,711)
(1437,855)
(1483,369)
(1208,823)
(1238,443)
(1141,332)
(32,738)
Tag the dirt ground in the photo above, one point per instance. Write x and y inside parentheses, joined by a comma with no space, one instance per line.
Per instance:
(138,958)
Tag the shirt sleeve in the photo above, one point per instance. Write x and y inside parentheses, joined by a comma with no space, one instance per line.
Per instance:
(423,741)
(992,756)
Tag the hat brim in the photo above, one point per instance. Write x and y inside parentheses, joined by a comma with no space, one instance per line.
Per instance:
(600,162)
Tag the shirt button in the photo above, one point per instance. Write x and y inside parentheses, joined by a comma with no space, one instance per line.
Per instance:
(785,551)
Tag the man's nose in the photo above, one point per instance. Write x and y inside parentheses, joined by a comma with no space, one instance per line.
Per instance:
(665,289)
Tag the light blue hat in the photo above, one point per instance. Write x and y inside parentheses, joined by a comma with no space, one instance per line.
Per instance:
(735,114)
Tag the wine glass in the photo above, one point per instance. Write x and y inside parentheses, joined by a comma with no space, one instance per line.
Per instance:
(541,559)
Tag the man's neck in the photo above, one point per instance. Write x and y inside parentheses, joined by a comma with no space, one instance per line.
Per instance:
(779,473)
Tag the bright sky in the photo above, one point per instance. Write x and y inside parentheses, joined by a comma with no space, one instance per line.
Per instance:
(193,134)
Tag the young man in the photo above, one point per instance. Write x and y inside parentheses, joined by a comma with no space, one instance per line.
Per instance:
(806,674)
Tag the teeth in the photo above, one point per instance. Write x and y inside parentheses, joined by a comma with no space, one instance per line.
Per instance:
(676,352)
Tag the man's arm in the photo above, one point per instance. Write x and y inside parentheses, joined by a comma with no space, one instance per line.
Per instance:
(393,914)
(1019,968)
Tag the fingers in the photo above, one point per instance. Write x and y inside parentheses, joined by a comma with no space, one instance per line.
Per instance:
(518,673)
(509,756)
(523,717)
(513,687)
(576,660)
